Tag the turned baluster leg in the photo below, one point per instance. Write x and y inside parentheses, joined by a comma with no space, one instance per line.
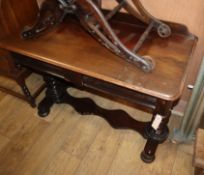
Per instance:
(54,94)
(26,92)
(157,132)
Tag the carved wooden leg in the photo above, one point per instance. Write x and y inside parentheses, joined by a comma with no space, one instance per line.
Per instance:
(54,94)
(157,132)
(49,16)
(26,92)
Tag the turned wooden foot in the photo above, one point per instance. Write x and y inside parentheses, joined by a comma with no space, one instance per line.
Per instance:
(148,155)
(45,106)
(157,132)
(153,140)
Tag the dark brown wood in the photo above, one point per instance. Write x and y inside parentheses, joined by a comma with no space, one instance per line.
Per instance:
(92,18)
(10,70)
(13,16)
(69,53)
(157,135)
(49,16)
(57,93)
(73,53)
(144,102)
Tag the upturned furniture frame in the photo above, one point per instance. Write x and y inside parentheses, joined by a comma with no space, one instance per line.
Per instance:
(92,18)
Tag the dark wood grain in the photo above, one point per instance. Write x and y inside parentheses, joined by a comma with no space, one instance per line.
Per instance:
(67,47)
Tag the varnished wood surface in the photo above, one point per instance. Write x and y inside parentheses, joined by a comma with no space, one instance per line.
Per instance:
(67,143)
(187,12)
(71,48)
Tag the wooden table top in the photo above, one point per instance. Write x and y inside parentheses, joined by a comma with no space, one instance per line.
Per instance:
(70,47)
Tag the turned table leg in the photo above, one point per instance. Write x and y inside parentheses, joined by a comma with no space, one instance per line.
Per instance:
(157,132)
(26,92)
(54,94)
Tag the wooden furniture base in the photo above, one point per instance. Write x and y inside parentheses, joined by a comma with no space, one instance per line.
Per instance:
(57,93)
